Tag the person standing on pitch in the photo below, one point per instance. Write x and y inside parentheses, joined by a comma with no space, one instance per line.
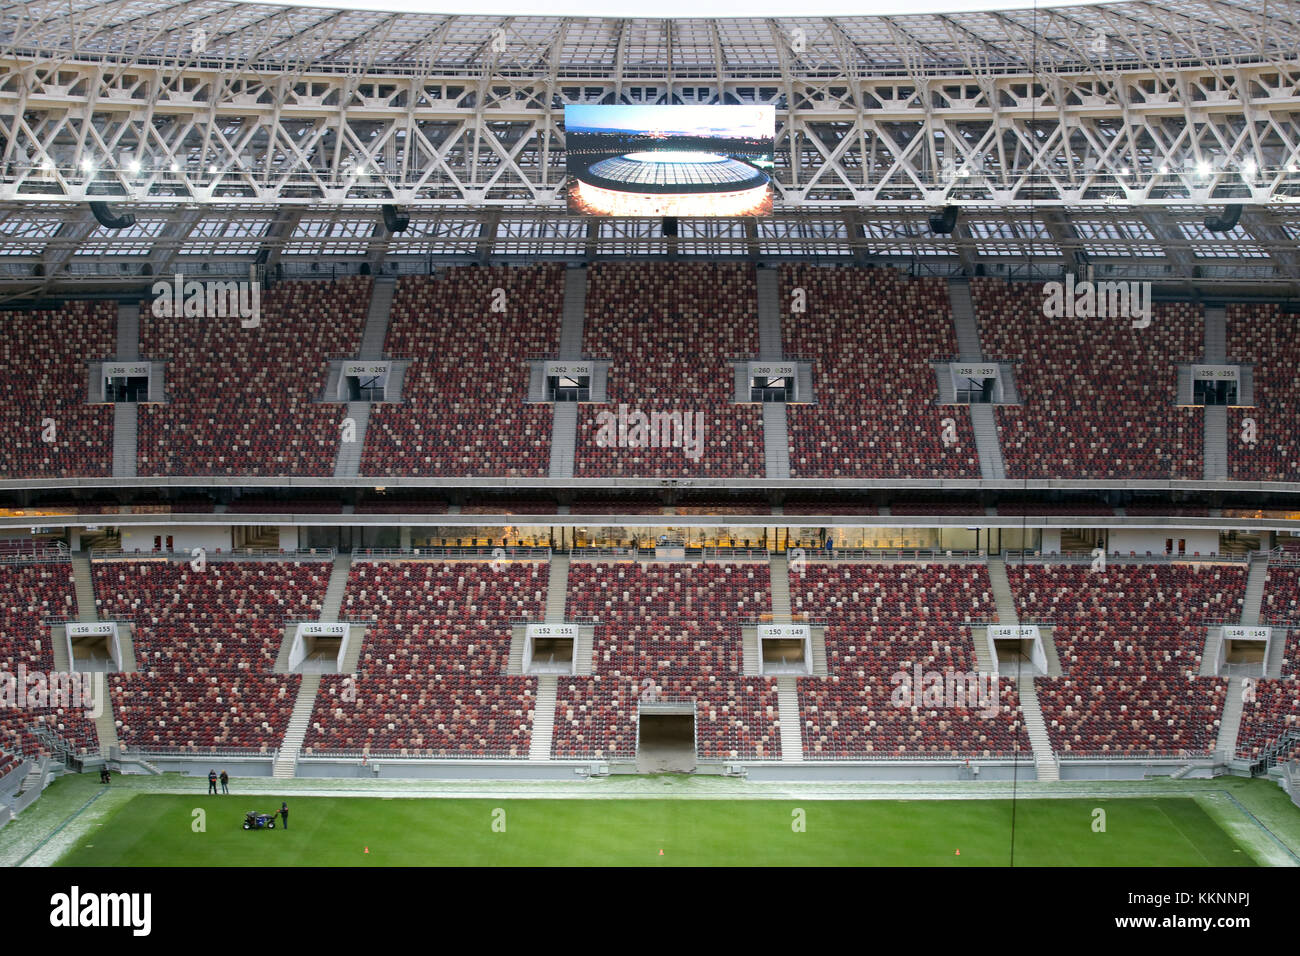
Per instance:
(225,780)
(284,814)
(212,781)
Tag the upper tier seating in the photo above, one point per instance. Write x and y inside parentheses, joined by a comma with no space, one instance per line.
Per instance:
(671,330)
(1260,335)
(43,356)
(246,401)
(463,409)
(1099,395)
(871,334)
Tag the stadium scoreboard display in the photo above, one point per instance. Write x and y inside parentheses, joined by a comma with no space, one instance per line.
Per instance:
(670,161)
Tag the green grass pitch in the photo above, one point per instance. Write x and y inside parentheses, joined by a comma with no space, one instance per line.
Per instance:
(158,830)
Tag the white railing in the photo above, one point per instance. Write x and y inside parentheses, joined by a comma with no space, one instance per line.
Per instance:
(405,754)
(1117,557)
(452,554)
(154,750)
(42,555)
(890,554)
(1141,756)
(216,554)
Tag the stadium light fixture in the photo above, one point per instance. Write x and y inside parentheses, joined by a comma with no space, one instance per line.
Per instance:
(1248,168)
(87,164)
(174,167)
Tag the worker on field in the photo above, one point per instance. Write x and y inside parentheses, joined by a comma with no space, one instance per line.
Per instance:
(212,781)
(225,780)
(284,814)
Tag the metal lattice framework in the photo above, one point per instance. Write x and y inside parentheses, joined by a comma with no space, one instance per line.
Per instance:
(226,124)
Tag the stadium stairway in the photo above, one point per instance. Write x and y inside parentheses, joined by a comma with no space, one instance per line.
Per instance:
(564,415)
(787,694)
(128,332)
(1002,598)
(1210,653)
(1044,760)
(779,571)
(557,588)
(1254,599)
(286,761)
(776,440)
(963,319)
(539,747)
(574,312)
(1230,722)
(749,651)
(87,613)
(564,439)
(347,461)
(985,425)
(1276,651)
(1214,441)
(1216,335)
(983,656)
(377,318)
(126,439)
(769,316)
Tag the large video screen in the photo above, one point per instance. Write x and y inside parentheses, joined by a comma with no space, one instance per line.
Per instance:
(670,160)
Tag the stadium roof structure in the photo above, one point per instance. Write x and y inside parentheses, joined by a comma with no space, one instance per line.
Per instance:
(1101,134)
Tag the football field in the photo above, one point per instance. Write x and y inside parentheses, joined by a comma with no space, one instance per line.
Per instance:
(188,830)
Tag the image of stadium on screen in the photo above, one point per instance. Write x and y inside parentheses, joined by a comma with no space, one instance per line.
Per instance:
(670,160)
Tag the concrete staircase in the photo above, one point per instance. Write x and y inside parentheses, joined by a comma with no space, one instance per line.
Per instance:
(128,332)
(1006,604)
(1254,600)
(1230,722)
(575,313)
(819,652)
(286,761)
(564,439)
(749,651)
(1210,653)
(1049,649)
(539,747)
(1216,335)
(770,348)
(779,570)
(347,462)
(776,440)
(376,330)
(82,581)
(557,588)
(791,735)
(1215,443)
(983,656)
(126,440)
(332,602)
(963,319)
(985,425)
(1276,650)
(1036,728)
